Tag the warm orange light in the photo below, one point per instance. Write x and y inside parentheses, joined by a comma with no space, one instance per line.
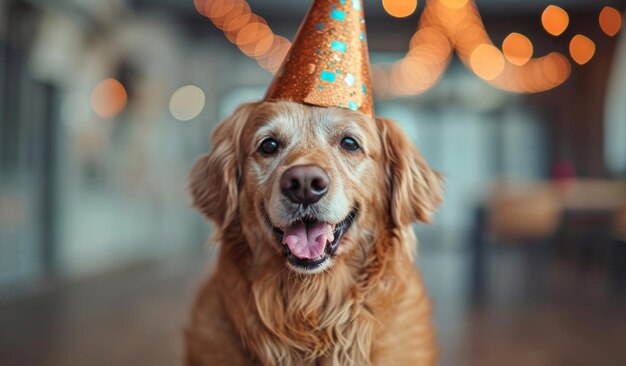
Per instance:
(555,20)
(272,59)
(400,8)
(487,61)
(517,49)
(264,45)
(399,83)
(199,4)
(537,75)
(432,36)
(233,24)
(470,34)
(556,68)
(416,70)
(108,98)
(235,10)
(610,20)
(217,9)
(454,4)
(250,33)
(582,49)
(249,37)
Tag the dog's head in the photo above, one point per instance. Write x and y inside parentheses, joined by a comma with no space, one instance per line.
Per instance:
(311,184)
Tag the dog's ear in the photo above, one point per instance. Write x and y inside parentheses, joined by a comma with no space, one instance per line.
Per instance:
(214,182)
(414,188)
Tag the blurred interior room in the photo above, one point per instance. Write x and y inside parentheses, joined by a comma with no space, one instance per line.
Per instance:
(105,105)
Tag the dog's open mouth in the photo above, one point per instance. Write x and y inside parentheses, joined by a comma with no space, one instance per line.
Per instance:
(309,243)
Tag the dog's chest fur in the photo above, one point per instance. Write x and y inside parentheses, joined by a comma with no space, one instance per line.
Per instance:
(290,319)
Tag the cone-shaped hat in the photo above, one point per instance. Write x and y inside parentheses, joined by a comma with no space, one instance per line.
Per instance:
(328,63)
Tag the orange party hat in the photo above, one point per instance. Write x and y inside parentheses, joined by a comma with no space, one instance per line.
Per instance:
(328,63)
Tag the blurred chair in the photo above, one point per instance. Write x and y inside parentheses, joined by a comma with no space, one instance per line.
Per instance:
(591,208)
(523,213)
(524,216)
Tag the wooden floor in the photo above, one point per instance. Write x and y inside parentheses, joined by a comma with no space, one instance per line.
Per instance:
(135,317)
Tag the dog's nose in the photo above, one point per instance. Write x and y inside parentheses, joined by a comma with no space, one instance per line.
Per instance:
(304,183)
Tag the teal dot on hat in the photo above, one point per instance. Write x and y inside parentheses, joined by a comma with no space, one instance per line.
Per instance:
(339,46)
(327,76)
(338,15)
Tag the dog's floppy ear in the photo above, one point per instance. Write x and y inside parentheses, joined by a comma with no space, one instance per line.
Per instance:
(214,183)
(415,189)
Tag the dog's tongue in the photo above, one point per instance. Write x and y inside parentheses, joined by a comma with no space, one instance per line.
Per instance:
(308,240)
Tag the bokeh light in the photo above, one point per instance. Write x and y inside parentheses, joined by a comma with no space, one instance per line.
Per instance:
(581,49)
(517,49)
(264,45)
(273,58)
(454,4)
(555,68)
(400,8)
(235,23)
(250,37)
(222,12)
(610,20)
(187,103)
(555,20)
(235,20)
(108,98)
(487,61)
(199,4)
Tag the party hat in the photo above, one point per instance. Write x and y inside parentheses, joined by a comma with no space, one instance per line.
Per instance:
(328,63)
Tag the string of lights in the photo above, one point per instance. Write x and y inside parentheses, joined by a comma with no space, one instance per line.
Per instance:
(445,26)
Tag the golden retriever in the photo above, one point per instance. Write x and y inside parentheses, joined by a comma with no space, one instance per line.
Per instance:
(313,210)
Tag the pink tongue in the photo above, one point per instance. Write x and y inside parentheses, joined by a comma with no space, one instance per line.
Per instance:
(308,241)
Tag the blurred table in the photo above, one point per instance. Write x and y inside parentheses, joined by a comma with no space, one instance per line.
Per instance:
(590,195)
(544,214)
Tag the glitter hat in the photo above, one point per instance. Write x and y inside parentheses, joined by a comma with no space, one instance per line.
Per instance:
(328,63)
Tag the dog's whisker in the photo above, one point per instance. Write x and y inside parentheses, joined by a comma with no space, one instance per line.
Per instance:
(277,274)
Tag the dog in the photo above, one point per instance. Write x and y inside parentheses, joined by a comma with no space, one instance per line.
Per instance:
(312,209)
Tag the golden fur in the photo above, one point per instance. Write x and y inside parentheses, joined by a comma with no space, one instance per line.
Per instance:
(369,307)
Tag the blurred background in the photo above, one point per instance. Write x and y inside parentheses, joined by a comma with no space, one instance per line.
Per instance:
(105,104)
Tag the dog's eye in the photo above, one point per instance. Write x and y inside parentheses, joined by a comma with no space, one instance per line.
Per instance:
(269,146)
(349,144)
